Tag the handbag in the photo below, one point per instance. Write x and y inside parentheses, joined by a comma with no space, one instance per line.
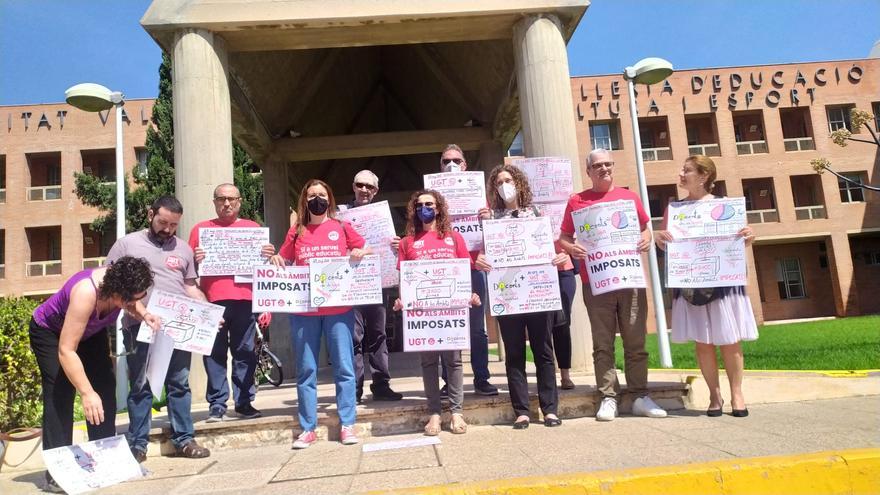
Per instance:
(16,435)
(702,296)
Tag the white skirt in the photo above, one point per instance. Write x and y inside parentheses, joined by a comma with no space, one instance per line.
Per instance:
(724,321)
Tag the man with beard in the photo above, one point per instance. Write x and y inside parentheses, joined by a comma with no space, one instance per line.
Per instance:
(173,266)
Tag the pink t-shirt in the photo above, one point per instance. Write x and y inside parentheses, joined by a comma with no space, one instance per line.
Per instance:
(430,246)
(222,288)
(590,197)
(331,238)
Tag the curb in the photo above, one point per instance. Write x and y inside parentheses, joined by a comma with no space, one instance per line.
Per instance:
(855,471)
(828,373)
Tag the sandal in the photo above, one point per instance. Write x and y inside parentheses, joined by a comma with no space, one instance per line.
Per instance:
(432,429)
(193,450)
(458,424)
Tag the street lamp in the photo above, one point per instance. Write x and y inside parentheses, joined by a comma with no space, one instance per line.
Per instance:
(649,71)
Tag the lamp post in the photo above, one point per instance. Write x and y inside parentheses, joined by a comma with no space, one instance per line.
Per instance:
(649,71)
(91,97)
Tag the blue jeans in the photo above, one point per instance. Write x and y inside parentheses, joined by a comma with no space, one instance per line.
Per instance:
(236,336)
(479,337)
(140,398)
(305,332)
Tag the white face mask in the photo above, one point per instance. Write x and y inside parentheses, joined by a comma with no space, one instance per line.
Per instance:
(452,167)
(507,191)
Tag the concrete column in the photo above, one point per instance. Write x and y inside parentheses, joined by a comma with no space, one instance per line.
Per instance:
(548,129)
(202,139)
(276,202)
(843,283)
(491,154)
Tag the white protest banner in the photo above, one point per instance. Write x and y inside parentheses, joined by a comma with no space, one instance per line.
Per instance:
(190,323)
(710,217)
(465,192)
(436,329)
(524,289)
(555,212)
(338,281)
(231,251)
(88,466)
(435,284)
(607,224)
(518,241)
(706,262)
(549,178)
(158,360)
(615,267)
(281,290)
(373,222)
(471,230)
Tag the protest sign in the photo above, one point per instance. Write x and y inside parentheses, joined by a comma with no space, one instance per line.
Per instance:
(88,466)
(281,290)
(373,222)
(610,233)
(190,323)
(710,217)
(555,212)
(471,230)
(232,250)
(338,281)
(615,267)
(524,289)
(436,329)
(465,192)
(706,262)
(518,241)
(431,284)
(549,178)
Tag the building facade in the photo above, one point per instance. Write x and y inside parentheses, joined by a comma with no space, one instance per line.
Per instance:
(45,233)
(817,247)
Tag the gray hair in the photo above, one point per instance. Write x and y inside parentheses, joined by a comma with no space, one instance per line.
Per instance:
(596,152)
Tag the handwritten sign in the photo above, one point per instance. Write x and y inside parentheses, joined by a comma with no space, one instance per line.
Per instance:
(434,284)
(465,192)
(518,241)
(610,233)
(549,178)
(281,290)
(338,281)
(710,217)
(555,212)
(231,251)
(373,222)
(88,466)
(436,329)
(614,267)
(190,323)
(524,289)
(706,262)
(471,230)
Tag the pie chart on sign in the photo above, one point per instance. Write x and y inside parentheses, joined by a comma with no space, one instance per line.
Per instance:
(619,220)
(722,212)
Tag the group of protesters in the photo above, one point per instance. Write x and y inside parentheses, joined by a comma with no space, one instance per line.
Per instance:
(68,331)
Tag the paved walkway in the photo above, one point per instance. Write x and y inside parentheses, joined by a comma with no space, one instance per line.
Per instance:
(495,452)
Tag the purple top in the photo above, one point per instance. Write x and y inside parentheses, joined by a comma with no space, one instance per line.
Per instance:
(51,313)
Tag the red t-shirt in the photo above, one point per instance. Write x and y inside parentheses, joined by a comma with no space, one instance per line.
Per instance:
(331,238)
(430,246)
(222,288)
(590,197)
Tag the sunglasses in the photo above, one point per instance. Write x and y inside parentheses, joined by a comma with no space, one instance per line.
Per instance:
(447,161)
(429,204)
(361,185)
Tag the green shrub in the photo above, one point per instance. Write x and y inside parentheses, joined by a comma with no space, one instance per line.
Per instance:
(20,400)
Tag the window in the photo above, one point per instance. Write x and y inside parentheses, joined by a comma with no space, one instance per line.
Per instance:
(872,258)
(875,107)
(838,118)
(849,192)
(790,279)
(605,135)
(141,156)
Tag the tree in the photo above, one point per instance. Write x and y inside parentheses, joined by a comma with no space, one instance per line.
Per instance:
(158,178)
(857,118)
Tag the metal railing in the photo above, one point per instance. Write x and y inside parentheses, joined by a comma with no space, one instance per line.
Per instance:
(656,154)
(762,216)
(751,147)
(799,144)
(705,149)
(810,212)
(2,195)
(43,268)
(44,193)
(93,262)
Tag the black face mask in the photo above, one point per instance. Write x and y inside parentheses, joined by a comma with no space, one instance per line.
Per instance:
(318,205)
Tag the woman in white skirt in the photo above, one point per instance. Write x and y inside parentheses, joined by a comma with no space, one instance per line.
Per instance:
(721,317)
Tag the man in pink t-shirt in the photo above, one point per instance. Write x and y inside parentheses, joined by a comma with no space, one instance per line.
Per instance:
(238,332)
(623,310)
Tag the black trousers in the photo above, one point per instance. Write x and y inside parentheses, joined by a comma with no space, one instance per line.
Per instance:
(562,333)
(514,330)
(58,392)
(370,345)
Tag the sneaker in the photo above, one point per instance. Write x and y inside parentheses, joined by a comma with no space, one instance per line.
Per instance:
(607,410)
(248,411)
(305,440)
(444,392)
(384,392)
(139,455)
(51,485)
(215,417)
(645,406)
(485,388)
(347,435)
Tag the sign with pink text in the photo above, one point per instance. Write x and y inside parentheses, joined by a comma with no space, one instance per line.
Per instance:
(435,284)
(709,217)
(88,466)
(706,262)
(524,289)
(610,233)
(555,212)
(436,329)
(281,290)
(471,229)
(518,241)
(190,323)
(231,251)
(338,281)
(373,222)
(465,192)
(549,178)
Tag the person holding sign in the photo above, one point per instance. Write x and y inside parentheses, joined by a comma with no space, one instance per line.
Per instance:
(510,196)
(621,311)
(238,332)
(713,317)
(316,234)
(429,235)
(68,334)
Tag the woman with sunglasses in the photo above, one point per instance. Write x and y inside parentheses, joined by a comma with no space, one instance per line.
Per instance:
(429,235)
(510,196)
(68,334)
(318,233)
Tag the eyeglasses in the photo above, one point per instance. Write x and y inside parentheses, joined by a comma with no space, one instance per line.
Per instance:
(429,204)
(447,161)
(361,185)
(223,199)
(601,165)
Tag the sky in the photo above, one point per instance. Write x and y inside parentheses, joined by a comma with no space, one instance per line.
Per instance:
(47,46)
